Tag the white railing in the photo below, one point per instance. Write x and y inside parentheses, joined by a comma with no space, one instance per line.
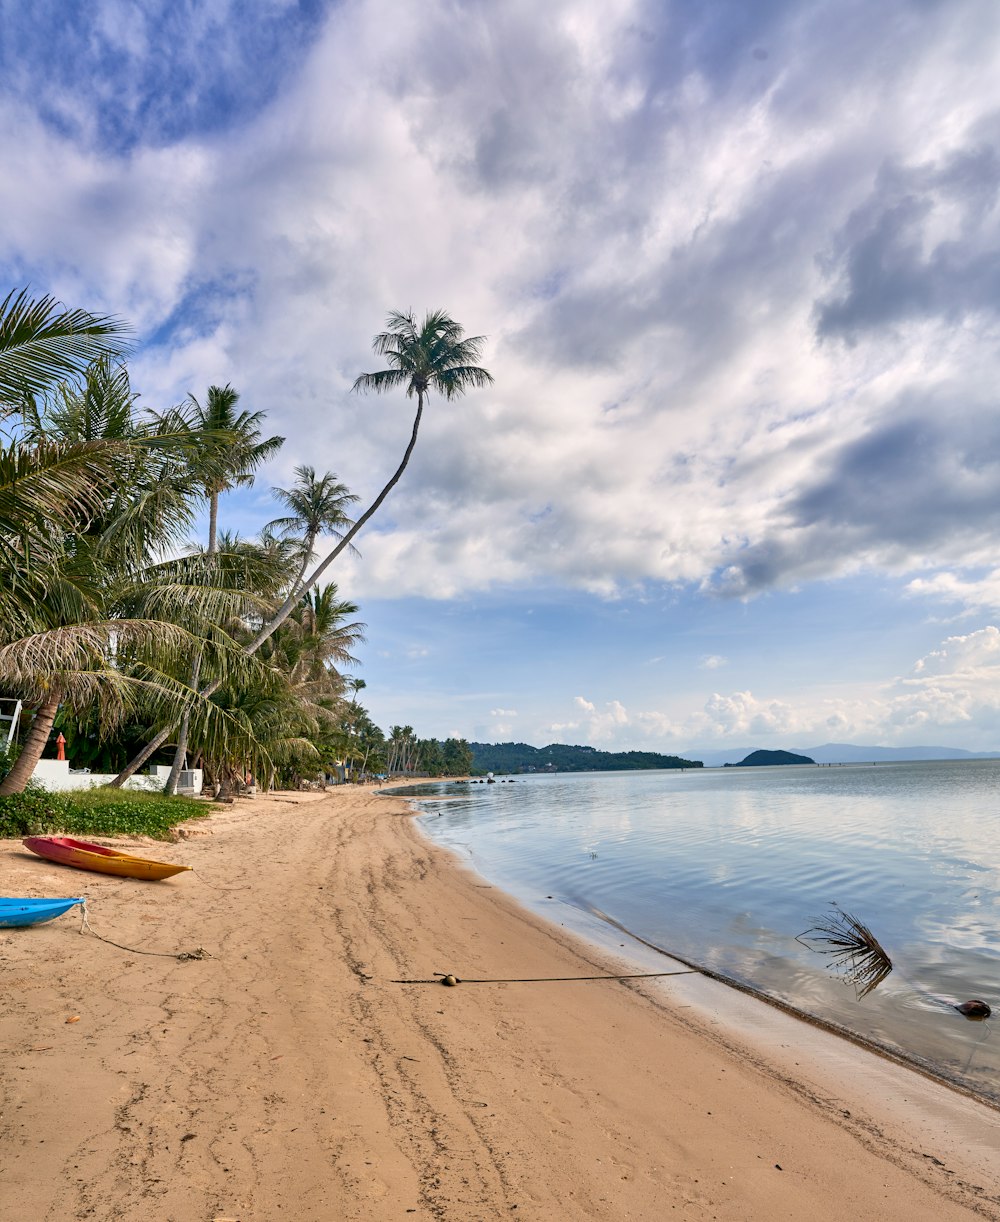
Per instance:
(9,720)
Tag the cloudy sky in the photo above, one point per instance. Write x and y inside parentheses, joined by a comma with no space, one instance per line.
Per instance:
(738,480)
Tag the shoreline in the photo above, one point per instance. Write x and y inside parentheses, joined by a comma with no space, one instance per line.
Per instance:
(829,1027)
(287,1076)
(598,928)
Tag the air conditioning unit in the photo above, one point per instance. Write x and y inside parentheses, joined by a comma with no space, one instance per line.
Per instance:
(190,782)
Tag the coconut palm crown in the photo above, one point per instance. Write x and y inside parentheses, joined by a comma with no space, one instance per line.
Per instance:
(232,449)
(432,355)
(317,505)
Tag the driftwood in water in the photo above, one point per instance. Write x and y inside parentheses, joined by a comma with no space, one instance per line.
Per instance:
(853,948)
(856,951)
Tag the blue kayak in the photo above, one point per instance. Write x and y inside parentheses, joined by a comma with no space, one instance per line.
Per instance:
(17,911)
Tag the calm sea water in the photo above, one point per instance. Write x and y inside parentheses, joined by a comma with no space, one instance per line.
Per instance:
(726,866)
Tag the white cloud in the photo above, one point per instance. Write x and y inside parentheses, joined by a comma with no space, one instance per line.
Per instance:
(972,593)
(647,250)
(974,655)
(955,687)
(742,313)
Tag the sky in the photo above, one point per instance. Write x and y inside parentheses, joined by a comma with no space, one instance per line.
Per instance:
(737,481)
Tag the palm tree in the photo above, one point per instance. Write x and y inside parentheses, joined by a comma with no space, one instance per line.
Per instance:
(285,717)
(401,747)
(41,343)
(316,637)
(87,500)
(434,355)
(231,451)
(97,629)
(431,356)
(318,506)
(232,448)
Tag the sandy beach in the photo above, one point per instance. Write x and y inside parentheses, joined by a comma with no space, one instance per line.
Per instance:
(285,1075)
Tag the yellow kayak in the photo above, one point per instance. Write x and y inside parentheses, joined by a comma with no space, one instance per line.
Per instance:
(86,856)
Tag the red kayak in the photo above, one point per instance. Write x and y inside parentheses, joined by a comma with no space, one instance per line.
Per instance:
(86,856)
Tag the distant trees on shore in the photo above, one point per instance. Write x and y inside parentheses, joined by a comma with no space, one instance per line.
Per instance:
(560,757)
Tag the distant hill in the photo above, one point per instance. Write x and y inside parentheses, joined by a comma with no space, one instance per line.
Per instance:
(846,753)
(766,759)
(559,757)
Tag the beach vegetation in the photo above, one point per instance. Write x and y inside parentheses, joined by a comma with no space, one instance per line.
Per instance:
(408,754)
(91,616)
(99,811)
(434,355)
(119,633)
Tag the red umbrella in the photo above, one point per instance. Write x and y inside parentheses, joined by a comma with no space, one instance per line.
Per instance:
(61,747)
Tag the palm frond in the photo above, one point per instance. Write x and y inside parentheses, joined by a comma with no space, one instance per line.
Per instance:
(51,486)
(381,380)
(852,947)
(42,343)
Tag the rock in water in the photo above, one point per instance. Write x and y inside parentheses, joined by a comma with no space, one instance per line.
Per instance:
(974,1009)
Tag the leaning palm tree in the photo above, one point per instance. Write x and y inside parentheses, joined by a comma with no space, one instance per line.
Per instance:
(42,343)
(116,667)
(434,355)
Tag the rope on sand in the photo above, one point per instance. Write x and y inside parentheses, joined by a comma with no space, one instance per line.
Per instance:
(199,953)
(215,886)
(450,979)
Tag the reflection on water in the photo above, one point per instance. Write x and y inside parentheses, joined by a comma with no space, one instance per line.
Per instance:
(726,867)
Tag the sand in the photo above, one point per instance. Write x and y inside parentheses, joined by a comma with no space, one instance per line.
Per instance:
(288,1077)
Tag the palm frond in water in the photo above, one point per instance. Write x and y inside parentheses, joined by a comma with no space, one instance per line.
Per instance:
(853,948)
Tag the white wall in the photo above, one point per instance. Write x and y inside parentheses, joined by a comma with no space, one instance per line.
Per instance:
(55,775)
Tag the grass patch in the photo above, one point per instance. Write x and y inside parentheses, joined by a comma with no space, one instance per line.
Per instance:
(103,811)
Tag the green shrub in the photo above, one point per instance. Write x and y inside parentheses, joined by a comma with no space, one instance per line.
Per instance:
(7,757)
(105,812)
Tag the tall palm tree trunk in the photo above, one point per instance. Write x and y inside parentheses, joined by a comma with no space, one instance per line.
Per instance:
(34,745)
(170,788)
(213,523)
(291,602)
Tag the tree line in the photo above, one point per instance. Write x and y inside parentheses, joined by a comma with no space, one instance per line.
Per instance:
(561,757)
(139,643)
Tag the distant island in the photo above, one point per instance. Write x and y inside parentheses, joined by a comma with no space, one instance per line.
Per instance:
(843,753)
(762,759)
(559,757)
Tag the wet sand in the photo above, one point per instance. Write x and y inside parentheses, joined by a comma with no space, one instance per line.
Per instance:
(288,1076)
